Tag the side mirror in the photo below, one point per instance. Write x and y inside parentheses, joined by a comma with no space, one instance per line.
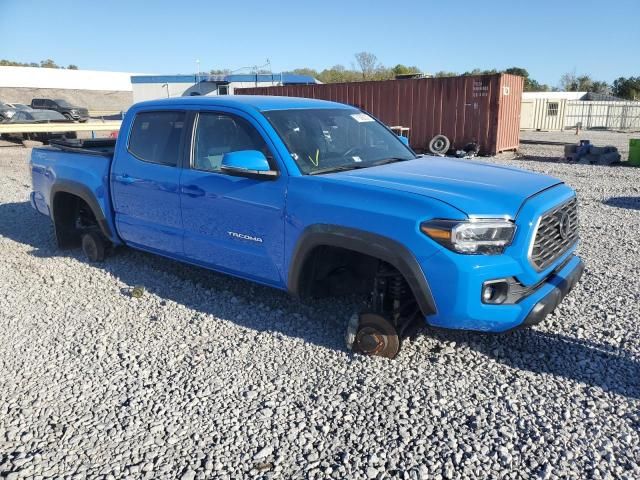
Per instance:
(249,164)
(404,140)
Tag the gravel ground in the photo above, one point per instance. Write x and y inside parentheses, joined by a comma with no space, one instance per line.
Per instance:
(549,145)
(211,377)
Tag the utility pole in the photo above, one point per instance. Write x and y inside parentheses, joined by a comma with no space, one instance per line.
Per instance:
(198,76)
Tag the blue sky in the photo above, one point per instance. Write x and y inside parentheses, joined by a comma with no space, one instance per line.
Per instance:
(547,37)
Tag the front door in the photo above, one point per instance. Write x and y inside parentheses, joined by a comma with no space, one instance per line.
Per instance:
(232,224)
(145,181)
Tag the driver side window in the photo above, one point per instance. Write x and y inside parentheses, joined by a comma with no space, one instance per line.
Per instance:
(217,134)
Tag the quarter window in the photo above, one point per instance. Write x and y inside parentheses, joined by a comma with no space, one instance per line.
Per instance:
(155,137)
(217,134)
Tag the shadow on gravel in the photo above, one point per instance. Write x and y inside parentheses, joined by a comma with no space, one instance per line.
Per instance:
(631,203)
(315,323)
(543,142)
(598,365)
(536,158)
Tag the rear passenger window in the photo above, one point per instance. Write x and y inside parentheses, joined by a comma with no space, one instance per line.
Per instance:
(155,137)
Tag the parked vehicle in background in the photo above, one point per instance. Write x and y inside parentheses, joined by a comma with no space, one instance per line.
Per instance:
(6,111)
(320,199)
(70,111)
(20,106)
(32,116)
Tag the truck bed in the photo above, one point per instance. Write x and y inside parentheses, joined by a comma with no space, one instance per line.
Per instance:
(96,146)
(80,167)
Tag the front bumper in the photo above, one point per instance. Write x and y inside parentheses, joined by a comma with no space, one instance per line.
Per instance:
(463,309)
(560,287)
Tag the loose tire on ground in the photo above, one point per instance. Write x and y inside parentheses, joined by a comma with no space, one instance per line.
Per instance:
(93,246)
(439,145)
(376,336)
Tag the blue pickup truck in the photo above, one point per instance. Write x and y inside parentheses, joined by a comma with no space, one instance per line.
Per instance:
(319,199)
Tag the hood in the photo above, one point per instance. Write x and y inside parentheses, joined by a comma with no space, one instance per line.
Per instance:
(476,188)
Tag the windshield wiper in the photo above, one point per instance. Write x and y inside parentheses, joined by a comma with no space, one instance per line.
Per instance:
(341,168)
(385,161)
(344,168)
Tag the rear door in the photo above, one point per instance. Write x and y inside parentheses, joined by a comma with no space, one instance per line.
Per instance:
(145,180)
(232,224)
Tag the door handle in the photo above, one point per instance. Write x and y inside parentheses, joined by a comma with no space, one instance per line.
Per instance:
(193,191)
(124,178)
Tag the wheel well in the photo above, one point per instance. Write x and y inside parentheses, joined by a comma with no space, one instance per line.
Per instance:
(336,271)
(72,215)
(331,271)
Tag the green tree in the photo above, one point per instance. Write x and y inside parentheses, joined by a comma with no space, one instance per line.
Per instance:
(401,69)
(306,71)
(72,67)
(48,63)
(477,71)
(339,74)
(570,82)
(11,63)
(530,85)
(444,73)
(627,88)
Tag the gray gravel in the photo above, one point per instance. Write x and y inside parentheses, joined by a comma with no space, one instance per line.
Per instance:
(206,376)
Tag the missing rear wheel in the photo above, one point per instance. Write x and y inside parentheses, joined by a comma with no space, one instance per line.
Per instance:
(93,246)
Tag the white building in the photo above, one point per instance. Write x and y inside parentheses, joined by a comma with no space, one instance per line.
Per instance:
(150,87)
(549,111)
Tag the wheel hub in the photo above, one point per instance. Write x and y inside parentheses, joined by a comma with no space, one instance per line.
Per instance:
(376,336)
(370,341)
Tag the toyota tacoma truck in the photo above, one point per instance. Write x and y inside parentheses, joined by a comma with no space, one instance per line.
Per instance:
(319,199)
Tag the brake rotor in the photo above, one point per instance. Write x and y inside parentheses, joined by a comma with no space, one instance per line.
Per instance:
(376,336)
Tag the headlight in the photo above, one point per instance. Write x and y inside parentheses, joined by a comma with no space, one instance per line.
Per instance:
(486,236)
(9,113)
(74,112)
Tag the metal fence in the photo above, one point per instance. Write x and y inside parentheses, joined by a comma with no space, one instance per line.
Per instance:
(605,115)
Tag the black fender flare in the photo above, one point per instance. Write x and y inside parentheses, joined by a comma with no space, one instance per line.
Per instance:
(83,192)
(378,246)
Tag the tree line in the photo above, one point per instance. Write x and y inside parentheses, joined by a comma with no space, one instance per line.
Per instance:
(48,63)
(367,67)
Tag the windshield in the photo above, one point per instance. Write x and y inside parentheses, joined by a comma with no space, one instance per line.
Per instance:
(63,103)
(326,140)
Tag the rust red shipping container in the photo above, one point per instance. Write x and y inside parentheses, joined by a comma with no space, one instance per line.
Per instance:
(484,109)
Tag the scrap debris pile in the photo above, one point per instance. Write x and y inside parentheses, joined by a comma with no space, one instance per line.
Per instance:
(588,154)
(440,145)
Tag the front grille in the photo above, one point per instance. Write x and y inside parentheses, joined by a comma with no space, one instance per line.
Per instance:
(557,232)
